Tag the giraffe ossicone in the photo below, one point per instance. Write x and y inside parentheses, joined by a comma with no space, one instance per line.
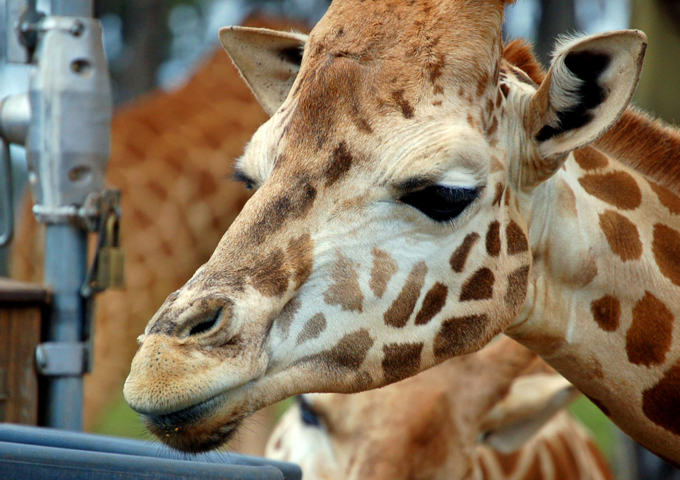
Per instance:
(417,195)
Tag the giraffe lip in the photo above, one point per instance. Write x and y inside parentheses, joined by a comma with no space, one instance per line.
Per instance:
(187,415)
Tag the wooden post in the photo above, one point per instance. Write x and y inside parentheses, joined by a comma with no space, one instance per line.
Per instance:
(21,309)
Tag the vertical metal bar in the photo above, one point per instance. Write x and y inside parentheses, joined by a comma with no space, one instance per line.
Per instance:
(72,8)
(65,268)
(6,204)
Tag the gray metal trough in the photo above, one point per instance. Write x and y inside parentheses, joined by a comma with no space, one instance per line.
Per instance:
(30,453)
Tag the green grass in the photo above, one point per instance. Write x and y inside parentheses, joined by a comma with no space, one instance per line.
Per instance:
(598,423)
(121,421)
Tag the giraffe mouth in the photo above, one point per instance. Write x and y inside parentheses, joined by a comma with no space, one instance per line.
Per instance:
(199,428)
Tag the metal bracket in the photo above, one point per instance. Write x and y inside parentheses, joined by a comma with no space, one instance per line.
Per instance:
(57,359)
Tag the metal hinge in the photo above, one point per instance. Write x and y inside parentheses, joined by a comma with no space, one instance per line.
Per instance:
(60,359)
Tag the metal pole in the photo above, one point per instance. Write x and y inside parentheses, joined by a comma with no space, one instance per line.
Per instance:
(65,267)
(65,123)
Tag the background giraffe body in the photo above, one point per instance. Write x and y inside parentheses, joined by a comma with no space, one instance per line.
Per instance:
(460,420)
(431,200)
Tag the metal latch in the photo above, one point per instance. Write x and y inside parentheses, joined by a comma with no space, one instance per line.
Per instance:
(59,359)
(108,268)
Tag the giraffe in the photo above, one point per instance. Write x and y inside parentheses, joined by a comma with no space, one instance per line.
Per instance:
(172,155)
(415,196)
(464,419)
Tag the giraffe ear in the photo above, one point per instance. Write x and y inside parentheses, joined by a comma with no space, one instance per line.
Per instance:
(532,402)
(268,60)
(590,83)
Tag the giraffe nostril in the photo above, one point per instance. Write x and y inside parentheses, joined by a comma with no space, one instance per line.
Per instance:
(206,325)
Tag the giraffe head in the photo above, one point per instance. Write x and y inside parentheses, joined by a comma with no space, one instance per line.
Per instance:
(428,427)
(389,229)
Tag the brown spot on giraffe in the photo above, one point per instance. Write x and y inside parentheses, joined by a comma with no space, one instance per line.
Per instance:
(294,204)
(517,240)
(479,286)
(508,462)
(471,121)
(362,381)
(345,290)
(622,235)
(482,84)
(489,107)
(340,164)
(566,199)
(493,239)
(615,188)
(401,360)
(384,268)
(434,301)
(406,108)
(607,312)
(661,403)
(460,256)
(312,329)
(590,159)
(269,275)
(404,305)
(508,197)
(348,354)
(666,248)
(667,198)
(497,166)
(300,257)
(493,128)
(285,318)
(498,196)
(518,282)
(650,336)
(454,335)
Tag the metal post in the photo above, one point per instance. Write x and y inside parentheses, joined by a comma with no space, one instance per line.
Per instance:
(65,267)
(65,123)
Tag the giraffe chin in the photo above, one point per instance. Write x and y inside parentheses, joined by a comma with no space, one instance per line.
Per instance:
(199,428)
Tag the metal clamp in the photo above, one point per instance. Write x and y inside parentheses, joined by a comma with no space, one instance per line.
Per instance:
(55,359)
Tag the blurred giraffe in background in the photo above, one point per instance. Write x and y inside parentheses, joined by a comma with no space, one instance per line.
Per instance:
(497,414)
(171,157)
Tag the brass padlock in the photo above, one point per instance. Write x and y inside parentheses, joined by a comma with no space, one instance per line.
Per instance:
(110,269)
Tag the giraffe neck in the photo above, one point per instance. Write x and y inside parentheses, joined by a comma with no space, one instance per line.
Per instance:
(561,450)
(602,302)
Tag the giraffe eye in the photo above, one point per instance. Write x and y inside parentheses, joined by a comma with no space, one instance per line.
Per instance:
(307,413)
(441,204)
(248,182)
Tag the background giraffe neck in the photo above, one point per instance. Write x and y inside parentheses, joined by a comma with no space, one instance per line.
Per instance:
(562,449)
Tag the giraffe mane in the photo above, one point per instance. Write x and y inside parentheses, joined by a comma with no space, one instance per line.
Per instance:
(649,146)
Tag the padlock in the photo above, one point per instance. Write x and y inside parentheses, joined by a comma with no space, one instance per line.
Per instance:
(110,268)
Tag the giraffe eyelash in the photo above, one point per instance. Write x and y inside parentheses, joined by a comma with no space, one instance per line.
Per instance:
(440,203)
(240,176)
(308,415)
